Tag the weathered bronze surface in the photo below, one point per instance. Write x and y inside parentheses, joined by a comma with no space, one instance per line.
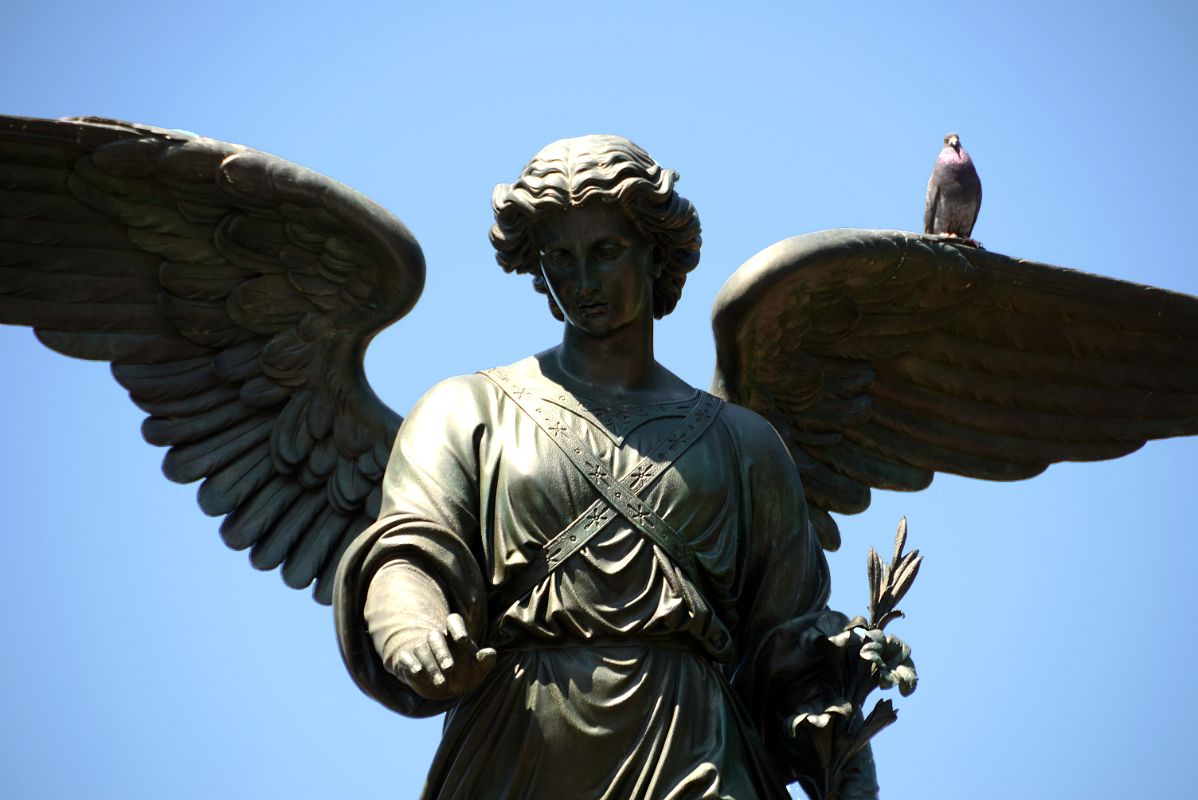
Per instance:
(678,636)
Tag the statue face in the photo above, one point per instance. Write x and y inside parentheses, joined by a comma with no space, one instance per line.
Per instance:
(598,266)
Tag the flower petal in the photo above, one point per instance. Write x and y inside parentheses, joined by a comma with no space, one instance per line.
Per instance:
(842,709)
(841,639)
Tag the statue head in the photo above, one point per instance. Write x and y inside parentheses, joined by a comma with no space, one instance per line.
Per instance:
(570,173)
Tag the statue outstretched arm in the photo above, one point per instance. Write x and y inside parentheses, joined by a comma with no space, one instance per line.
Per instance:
(406,578)
(418,638)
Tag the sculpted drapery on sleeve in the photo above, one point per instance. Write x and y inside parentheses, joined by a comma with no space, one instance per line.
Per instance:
(616,672)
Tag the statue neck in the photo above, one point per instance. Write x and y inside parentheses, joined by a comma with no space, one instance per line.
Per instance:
(620,363)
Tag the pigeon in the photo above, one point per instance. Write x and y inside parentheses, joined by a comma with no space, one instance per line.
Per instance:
(954,194)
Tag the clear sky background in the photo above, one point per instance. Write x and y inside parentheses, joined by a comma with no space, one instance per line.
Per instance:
(1052,622)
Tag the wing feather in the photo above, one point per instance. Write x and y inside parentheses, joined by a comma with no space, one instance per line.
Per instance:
(324,581)
(231,486)
(258,515)
(884,357)
(168,381)
(870,468)
(234,293)
(306,558)
(165,431)
(192,461)
(270,550)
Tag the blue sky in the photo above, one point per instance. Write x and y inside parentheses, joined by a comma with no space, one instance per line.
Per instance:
(1050,622)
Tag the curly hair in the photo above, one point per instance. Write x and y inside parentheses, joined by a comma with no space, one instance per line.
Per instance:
(609,169)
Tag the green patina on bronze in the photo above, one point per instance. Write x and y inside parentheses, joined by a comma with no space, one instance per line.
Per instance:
(235,294)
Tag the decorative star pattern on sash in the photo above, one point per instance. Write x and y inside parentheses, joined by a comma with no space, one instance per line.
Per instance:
(617,496)
(612,420)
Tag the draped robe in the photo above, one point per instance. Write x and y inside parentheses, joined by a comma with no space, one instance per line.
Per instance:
(618,677)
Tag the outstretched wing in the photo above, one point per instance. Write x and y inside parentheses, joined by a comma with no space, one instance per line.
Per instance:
(883,357)
(234,293)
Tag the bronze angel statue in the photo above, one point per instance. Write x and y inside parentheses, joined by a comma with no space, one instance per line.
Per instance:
(612,583)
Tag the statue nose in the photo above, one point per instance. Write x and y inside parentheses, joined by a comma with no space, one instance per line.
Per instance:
(588,283)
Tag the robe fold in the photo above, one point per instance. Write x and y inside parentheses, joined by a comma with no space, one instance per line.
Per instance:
(616,673)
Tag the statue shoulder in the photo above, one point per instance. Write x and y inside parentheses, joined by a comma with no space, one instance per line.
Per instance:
(469,387)
(462,399)
(744,422)
(754,436)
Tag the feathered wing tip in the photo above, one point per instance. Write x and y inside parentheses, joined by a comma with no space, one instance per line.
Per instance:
(234,293)
(884,357)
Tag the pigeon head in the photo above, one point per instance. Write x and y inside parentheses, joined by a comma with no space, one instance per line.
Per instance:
(953,140)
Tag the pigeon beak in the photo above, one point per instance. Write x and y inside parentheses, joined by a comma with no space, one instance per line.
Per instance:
(954,142)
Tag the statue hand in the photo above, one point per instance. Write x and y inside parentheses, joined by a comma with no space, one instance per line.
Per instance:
(438,668)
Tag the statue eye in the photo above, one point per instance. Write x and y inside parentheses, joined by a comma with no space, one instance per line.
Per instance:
(556,257)
(610,250)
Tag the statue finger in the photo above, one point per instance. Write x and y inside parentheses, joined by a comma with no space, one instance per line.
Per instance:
(457,628)
(485,658)
(429,662)
(461,646)
(410,663)
(440,649)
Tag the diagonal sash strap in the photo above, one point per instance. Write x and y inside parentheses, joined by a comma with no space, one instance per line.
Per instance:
(617,496)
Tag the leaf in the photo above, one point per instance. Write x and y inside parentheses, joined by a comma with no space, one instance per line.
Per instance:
(882,715)
(874,569)
(900,539)
(904,576)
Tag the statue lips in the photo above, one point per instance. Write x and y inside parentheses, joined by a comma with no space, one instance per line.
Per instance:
(594,309)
